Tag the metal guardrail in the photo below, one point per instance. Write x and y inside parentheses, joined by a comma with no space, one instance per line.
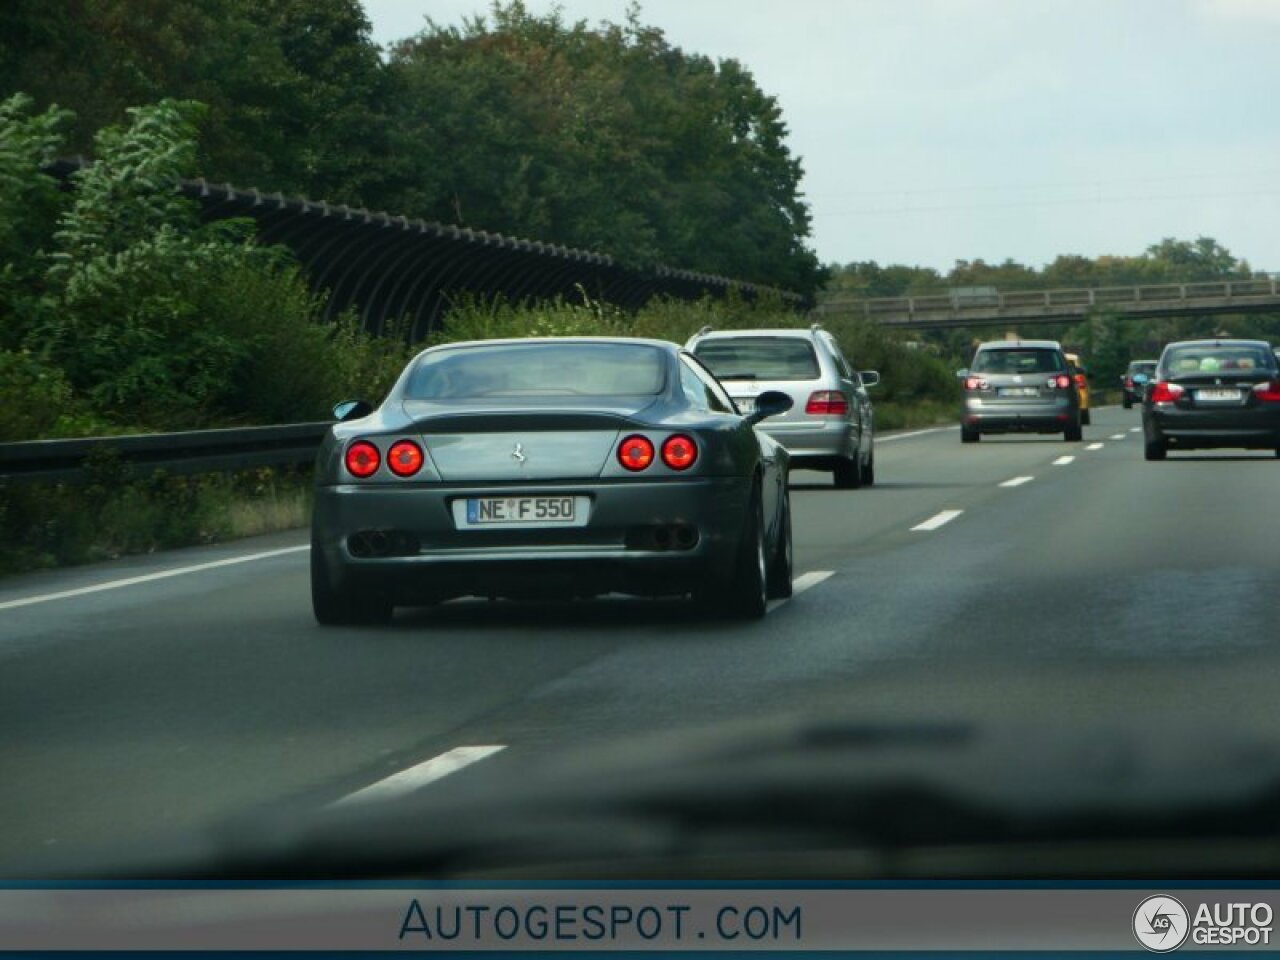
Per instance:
(194,451)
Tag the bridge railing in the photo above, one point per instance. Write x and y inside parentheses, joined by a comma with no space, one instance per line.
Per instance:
(959,303)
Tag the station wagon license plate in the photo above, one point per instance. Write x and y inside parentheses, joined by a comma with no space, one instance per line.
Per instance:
(1218,395)
(1018,392)
(536,511)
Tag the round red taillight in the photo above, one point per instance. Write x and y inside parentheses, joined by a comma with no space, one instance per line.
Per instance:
(404,458)
(679,452)
(635,452)
(1063,381)
(363,459)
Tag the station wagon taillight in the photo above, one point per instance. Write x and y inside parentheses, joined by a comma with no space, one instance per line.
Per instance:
(635,452)
(404,458)
(1166,392)
(827,403)
(679,452)
(975,383)
(1268,392)
(363,459)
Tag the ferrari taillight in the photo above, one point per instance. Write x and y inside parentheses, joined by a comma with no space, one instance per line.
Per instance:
(635,452)
(363,459)
(679,452)
(404,458)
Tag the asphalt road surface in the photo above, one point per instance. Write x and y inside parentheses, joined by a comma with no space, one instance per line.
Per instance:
(1019,577)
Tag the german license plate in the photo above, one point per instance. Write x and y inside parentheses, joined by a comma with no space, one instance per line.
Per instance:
(745,405)
(1018,392)
(1218,395)
(539,511)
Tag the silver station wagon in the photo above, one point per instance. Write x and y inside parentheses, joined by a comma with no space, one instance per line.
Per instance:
(831,424)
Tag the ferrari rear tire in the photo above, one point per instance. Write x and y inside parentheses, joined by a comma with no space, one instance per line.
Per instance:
(333,606)
(1155,449)
(781,565)
(745,595)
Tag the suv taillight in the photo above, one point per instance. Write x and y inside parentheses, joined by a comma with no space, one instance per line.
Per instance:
(827,403)
(1165,392)
(975,383)
(1061,382)
(1268,392)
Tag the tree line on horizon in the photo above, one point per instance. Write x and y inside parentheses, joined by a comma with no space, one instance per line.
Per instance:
(605,137)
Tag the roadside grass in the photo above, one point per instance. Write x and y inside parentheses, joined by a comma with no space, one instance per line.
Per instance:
(115,513)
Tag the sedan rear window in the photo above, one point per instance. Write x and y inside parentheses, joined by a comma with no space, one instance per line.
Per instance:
(1215,358)
(1021,360)
(759,358)
(539,370)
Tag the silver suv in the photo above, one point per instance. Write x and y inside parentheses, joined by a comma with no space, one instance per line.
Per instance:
(831,425)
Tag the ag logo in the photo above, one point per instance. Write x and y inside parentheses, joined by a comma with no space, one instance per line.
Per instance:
(1161,923)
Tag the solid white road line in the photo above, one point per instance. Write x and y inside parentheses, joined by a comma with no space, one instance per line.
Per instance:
(1095,446)
(1017,481)
(1117,436)
(937,520)
(147,578)
(416,777)
(914,433)
(1063,461)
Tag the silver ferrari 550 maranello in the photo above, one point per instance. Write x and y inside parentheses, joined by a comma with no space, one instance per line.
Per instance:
(552,467)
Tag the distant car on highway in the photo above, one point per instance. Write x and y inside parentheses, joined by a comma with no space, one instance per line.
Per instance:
(1081,377)
(831,425)
(1213,393)
(1133,388)
(1020,386)
(550,468)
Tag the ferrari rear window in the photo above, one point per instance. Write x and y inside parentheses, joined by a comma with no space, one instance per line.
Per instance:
(1028,360)
(539,370)
(759,358)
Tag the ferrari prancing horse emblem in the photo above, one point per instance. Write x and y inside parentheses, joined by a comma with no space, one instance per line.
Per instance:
(518,453)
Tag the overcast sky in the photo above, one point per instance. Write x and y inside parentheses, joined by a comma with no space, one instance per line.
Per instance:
(937,130)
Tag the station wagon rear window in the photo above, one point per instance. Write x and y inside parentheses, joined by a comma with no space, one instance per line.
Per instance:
(539,370)
(1022,360)
(759,358)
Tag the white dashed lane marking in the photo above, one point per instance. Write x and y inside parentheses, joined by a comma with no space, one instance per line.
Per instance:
(417,777)
(1095,446)
(1017,481)
(1117,436)
(938,520)
(1063,461)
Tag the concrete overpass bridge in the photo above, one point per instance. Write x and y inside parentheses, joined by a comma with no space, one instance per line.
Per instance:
(988,307)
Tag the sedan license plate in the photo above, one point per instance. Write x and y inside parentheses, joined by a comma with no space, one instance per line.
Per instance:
(1018,392)
(539,511)
(745,405)
(1218,395)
